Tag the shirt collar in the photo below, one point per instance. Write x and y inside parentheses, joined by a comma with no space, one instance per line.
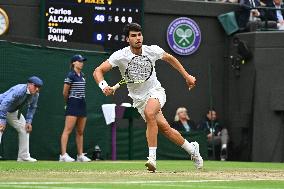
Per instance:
(75,73)
(28,91)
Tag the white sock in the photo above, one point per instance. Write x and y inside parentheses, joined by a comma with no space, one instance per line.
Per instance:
(152,152)
(224,146)
(188,147)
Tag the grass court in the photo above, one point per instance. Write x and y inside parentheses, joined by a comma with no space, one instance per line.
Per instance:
(132,174)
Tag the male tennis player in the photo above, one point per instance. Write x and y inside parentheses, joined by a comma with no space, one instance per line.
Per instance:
(11,103)
(148,97)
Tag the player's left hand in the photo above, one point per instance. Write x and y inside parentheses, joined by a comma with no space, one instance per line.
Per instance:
(29,128)
(108,91)
(190,81)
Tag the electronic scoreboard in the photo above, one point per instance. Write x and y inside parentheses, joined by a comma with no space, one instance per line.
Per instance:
(90,21)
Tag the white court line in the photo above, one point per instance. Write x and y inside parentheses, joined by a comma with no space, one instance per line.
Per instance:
(155,185)
(136,182)
(44,187)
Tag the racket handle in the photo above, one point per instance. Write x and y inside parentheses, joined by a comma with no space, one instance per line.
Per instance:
(115,87)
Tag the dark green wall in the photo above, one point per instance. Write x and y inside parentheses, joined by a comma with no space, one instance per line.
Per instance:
(257,96)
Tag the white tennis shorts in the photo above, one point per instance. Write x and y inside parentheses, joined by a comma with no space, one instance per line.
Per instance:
(157,93)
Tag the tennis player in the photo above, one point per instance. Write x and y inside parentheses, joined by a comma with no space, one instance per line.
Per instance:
(148,97)
(76,113)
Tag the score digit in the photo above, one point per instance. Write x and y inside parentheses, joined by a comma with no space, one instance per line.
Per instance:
(116,19)
(109,37)
(123,19)
(129,19)
(99,18)
(116,37)
(109,18)
(122,38)
(98,37)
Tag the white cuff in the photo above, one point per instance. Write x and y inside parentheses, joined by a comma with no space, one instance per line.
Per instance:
(103,84)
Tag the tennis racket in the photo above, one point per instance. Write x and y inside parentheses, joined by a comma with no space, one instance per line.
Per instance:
(138,70)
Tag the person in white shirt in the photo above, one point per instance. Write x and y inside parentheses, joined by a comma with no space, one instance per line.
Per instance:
(247,13)
(148,97)
(276,15)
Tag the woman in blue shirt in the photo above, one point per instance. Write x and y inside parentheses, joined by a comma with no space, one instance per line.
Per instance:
(75,114)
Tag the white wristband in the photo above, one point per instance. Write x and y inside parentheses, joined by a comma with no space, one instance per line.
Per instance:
(103,84)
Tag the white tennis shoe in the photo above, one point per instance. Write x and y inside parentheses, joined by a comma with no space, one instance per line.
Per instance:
(65,158)
(151,164)
(83,158)
(196,157)
(28,159)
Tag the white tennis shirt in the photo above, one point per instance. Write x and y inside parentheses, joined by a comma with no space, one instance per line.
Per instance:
(122,57)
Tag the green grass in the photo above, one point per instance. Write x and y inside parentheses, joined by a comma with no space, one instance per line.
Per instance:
(132,174)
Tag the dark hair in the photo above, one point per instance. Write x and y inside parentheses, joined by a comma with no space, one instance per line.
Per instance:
(211,109)
(131,27)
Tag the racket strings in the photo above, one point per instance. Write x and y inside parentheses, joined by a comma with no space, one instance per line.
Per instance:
(139,69)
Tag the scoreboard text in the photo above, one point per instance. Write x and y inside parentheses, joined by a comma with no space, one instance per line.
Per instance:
(90,21)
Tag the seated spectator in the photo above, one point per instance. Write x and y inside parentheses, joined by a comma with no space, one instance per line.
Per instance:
(216,134)
(276,15)
(182,121)
(246,14)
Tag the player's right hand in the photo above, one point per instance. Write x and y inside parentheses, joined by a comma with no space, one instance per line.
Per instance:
(2,127)
(108,91)
(190,81)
